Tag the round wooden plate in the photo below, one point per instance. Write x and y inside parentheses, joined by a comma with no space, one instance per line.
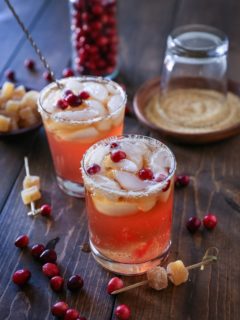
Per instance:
(151,87)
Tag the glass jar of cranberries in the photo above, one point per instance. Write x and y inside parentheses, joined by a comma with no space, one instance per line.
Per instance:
(94,37)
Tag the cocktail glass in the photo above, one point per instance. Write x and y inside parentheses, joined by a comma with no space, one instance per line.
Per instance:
(130,229)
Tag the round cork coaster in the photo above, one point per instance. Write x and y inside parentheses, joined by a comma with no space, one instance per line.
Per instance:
(190,126)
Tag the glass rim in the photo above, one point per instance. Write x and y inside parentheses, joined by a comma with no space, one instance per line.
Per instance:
(96,79)
(128,194)
(216,50)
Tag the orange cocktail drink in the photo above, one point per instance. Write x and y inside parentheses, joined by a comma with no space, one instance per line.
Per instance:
(81,112)
(129,183)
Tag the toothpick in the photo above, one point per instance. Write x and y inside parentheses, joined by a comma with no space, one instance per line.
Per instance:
(205,261)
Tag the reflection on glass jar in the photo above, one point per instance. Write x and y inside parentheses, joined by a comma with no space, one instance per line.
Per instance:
(94,37)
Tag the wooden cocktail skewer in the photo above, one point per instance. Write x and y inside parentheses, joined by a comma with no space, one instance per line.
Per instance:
(33,43)
(207,259)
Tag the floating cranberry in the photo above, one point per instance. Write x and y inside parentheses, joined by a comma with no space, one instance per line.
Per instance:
(57,283)
(50,270)
(210,221)
(162,177)
(46,210)
(75,283)
(84,95)
(48,255)
(145,174)
(62,104)
(118,156)
(10,75)
(59,309)
(73,100)
(122,312)
(29,64)
(67,92)
(113,145)
(22,241)
(37,250)
(47,76)
(68,72)
(71,314)
(21,277)
(95,168)
(193,224)
(114,284)
(181,181)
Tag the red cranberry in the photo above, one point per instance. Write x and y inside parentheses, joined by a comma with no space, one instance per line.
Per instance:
(59,309)
(46,210)
(30,64)
(210,221)
(21,277)
(145,174)
(73,100)
(47,76)
(75,283)
(50,270)
(114,284)
(95,168)
(68,72)
(193,224)
(62,104)
(57,283)
(122,312)
(67,92)
(37,250)
(113,145)
(48,255)
(10,75)
(181,181)
(162,177)
(118,156)
(71,314)
(84,95)
(97,9)
(22,241)
(103,41)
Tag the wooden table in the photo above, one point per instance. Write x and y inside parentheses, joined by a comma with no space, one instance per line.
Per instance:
(214,171)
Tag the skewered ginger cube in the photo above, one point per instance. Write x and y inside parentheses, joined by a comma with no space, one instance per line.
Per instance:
(30,194)
(5,123)
(19,92)
(157,278)
(177,272)
(30,99)
(30,181)
(7,90)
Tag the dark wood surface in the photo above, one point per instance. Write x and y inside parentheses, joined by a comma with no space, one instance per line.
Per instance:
(214,169)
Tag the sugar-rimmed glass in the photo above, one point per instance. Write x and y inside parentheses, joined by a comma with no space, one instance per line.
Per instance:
(122,241)
(69,139)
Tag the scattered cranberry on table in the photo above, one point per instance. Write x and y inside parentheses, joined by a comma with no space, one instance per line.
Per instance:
(210,221)
(95,168)
(10,75)
(47,76)
(30,64)
(21,277)
(75,283)
(181,181)
(48,255)
(37,250)
(114,284)
(59,309)
(193,224)
(71,314)
(22,241)
(122,312)
(117,156)
(45,210)
(50,270)
(57,283)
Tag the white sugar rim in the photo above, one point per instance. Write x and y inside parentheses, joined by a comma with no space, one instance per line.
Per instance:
(89,180)
(82,79)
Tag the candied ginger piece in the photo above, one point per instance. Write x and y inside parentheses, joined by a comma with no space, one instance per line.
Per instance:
(14,123)
(177,272)
(5,123)
(30,181)
(28,117)
(129,181)
(157,278)
(30,194)
(7,90)
(12,106)
(115,103)
(30,99)
(96,90)
(19,92)
(96,106)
